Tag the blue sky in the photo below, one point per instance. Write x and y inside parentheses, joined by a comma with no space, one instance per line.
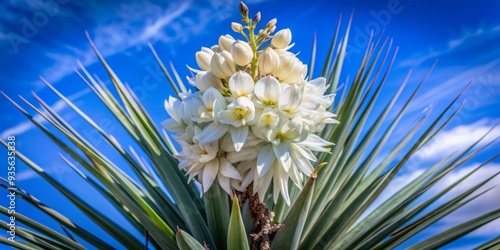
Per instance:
(47,37)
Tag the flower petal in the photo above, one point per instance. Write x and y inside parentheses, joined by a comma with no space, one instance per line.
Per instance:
(228,117)
(304,152)
(280,179)
(211,133)
(209,173)
(246,153)
(296,176)
(241,84)
(268,89)
(228,170)
(283,153)
(225,184)
(173,107)
(173,126)
(263,185)
(239,136)
(210,95)
(265,159)
(316,143)
(251,172)
(304,165)
(290,100)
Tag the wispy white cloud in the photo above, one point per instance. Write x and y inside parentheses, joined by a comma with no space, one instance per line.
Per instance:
(25,126)
(135,24)
(458,138)
(25,175)
(396,184)
(449,81)
(57,169)
(468,38)
(485,203)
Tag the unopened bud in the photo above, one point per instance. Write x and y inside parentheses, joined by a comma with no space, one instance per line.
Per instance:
(243,9)
(271,23)
(203,58)
(272,29)
(282,39)
(225,42)
(242,53)
(269,60)
(222,64)
(287,62)
(256,18)
(215,48)
(237,27)
(297,73)
(205,80)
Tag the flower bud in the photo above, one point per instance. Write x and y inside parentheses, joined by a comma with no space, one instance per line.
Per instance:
(282,39)
(215,48)
(225,42)
(271,23)
(204,57)
(222,64)
(269,60)
(243,9)
(256,18)
(287,62)
(272,29)
(241,52)
(205,80)
(237,27)
(297,73)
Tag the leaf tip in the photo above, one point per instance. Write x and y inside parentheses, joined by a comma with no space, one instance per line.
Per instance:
(315,171)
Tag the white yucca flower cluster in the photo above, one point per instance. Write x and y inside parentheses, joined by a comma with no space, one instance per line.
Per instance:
(254,116)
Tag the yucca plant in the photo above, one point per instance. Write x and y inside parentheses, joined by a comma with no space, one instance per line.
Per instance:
(255,118)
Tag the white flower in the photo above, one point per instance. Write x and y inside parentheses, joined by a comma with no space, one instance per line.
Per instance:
(267,90)
(201,160)
(288,156)
(247,171)
(282,39)
(297,73)
(207,79)
(267,121)
(287,62)
(271,23)
(240,112)
(204,57)
(290,69)
(242,53)
(269,60)
(210,97)
(174,109)
(241,85)
(279,177)
(225,43)
(265,128)
(223,170)
(290,101)
(236,27)
(222,64)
